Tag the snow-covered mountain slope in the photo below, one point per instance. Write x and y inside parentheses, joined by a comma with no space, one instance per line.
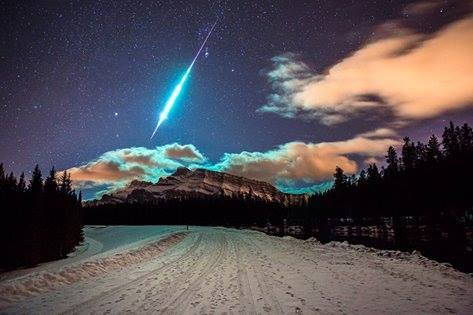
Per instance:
(198,182)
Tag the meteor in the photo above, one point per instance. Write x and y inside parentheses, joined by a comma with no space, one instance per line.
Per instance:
(177,90)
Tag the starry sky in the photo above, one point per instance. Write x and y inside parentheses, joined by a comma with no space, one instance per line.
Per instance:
(284,90)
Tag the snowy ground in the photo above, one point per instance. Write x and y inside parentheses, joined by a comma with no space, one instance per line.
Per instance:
(100,240)
(218,270)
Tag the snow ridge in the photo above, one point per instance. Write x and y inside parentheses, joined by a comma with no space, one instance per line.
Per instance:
(36,283)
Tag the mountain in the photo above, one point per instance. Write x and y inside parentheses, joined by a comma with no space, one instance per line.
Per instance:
(198,182)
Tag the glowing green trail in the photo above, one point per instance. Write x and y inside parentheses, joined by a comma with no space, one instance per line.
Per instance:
(177,90)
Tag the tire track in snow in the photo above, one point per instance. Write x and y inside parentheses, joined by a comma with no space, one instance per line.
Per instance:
(158,288)
(163,289)
(246,294)
(267,293)
(180,303)
(85,306)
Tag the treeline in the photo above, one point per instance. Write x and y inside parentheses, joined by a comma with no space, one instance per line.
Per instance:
(193,209)
(430,180)
(41,220)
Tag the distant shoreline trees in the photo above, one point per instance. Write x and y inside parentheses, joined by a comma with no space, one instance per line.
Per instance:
(433,179)
(192,209)
(41,221)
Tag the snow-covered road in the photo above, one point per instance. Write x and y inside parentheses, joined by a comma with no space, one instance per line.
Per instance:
(218,270)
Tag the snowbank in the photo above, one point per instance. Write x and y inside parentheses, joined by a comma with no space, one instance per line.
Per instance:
(44,281)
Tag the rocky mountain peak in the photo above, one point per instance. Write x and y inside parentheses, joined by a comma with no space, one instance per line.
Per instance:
(186,182)
(181,171)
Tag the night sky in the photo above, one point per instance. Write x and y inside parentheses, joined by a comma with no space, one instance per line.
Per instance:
(83,82)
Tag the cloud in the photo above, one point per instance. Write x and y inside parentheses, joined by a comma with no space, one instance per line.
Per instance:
(412,76)
(105,171)
(292,167)
(295,162)
(379,133)
(184,152)
(316,188)
(118,167)
(421,7)
(131,156)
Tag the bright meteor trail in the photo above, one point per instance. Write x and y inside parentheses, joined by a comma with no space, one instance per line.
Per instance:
(175,93)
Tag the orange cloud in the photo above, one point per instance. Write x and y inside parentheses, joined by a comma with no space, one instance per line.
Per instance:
(184,152)
(307,162)
(104,172)
(123,165)
(288,164)
(414,76)
(147,160)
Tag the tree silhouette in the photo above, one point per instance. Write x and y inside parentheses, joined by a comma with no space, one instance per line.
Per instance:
(392,162)
(36,182)
(408,155)
(373,174)
(433,152)
(50,184)
(340,179)
(39,223)
(451,145)
(21,183)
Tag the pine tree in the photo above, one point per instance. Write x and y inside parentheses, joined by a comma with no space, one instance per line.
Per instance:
(451,145)
(420,153)
(50,184)
(21,183)
(392,161)
(340,179)
(11,182)
(408,154)
(38,224)
(2,173)
(373,174)
(65,183)
(433,152)
(465,138)
(36,181)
